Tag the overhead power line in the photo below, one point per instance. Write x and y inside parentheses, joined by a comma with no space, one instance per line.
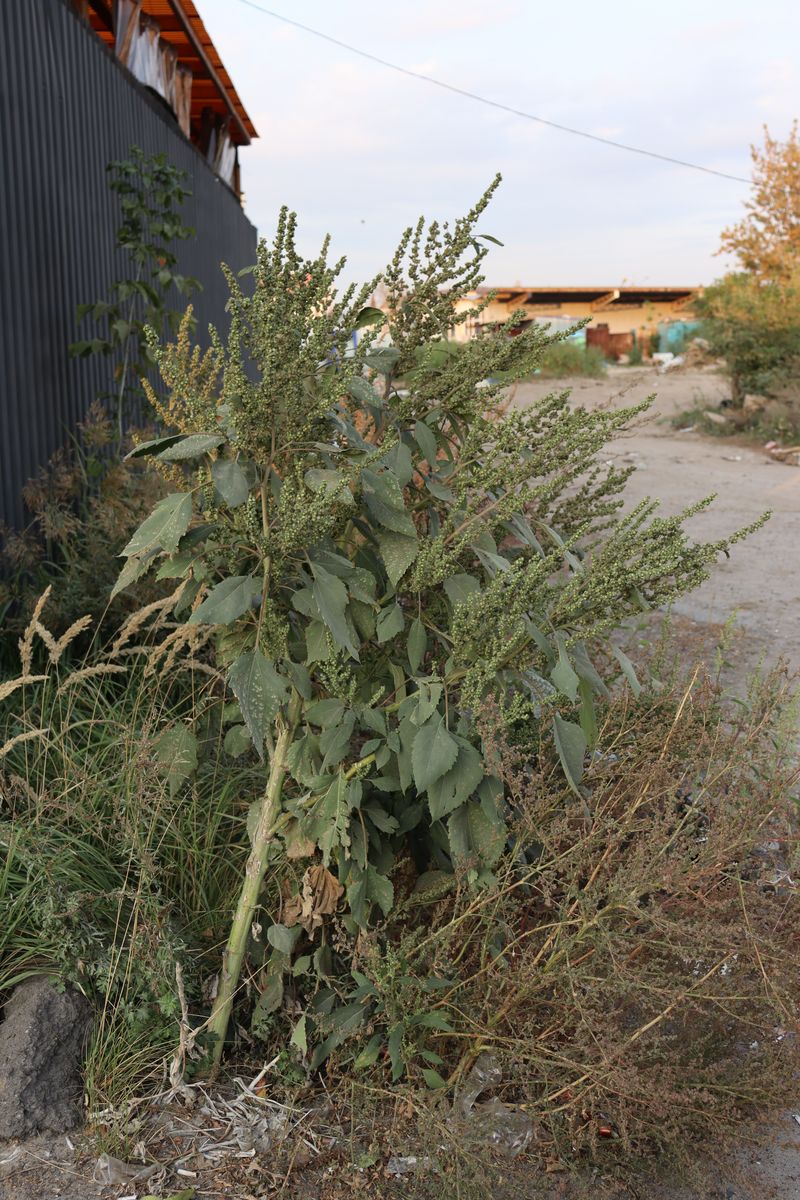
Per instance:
(517,112)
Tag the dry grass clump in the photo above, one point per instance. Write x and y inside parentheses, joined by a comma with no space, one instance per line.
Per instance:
(114,871)
(83,508)
(634,967)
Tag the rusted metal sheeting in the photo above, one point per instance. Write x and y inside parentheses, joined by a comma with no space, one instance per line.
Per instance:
(66,110)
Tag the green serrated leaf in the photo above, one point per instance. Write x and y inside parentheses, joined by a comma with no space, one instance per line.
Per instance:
(423,703)
(230,481)
(269,1002)
(331,597)
(563,675)
(237,741)
(426,440)
(260,691)
(332,481)
(433,1078)
(570,743)
(628,671)
(398,553)
(164,528)
(282,938)
(325,712)
(434,1020)
(474,837)
(460,587)
(226,602)
(193,446)
(175,751)
(588,718)
(299,1037)
(395,1045)
(390,622)
(417,644)
(300,678)
(434,752)
(369,888)
(177,566)
(133,569)
(328,822)
(456,786)
(317,649)
(362,391)
(369,316)
(382,358)
(383,497)
(153,446)
(369,1055)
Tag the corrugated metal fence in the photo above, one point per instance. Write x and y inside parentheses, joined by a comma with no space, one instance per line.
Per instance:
(66,110)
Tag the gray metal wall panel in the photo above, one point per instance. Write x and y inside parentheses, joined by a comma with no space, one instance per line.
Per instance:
(66,110)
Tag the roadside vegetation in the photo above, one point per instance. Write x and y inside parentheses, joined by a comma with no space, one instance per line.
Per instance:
(568,359)
(362,785)
(751,317)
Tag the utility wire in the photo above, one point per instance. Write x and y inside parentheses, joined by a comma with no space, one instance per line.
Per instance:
(517,112)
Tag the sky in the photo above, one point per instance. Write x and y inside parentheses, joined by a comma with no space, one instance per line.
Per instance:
(360,151)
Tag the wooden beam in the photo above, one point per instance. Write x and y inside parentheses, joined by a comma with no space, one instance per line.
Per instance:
(186,25)
(682,301)
(604,301)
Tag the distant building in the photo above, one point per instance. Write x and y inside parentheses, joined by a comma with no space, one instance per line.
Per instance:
(619,317)
(81,83)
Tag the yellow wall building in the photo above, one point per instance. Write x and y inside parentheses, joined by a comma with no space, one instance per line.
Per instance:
(623,311)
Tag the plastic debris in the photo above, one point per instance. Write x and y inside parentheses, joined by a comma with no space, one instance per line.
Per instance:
(509,1130)
(405,1164)
(486,1073)
(113,1170)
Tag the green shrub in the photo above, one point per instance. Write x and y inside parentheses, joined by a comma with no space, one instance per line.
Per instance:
(755,325)
(151,192)
(371,564)
(564,359)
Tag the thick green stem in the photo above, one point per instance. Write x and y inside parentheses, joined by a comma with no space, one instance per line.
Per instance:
(263,834)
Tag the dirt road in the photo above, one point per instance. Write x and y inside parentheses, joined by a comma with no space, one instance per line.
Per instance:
(760,583)
(761,580)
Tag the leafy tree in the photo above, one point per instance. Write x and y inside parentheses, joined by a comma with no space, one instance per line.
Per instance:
(752,316)
(754,324)
(151,192)
(767,241)
(375,553)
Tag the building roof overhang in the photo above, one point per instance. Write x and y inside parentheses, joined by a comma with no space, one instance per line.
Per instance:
(610,297)
(182,27)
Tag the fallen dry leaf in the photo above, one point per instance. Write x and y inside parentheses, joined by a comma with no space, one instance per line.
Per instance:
(319,897)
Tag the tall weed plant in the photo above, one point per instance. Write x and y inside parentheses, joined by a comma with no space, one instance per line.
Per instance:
(371,550)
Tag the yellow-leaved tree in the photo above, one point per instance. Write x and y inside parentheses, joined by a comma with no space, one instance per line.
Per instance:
(752,315)
(766,241)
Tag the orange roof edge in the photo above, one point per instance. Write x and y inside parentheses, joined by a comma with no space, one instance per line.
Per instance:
(623,289)
(204,40)
(182,27)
